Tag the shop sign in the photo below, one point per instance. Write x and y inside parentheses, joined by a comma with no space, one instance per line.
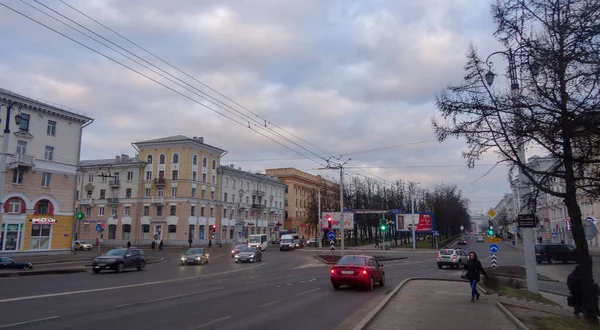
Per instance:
(42,221)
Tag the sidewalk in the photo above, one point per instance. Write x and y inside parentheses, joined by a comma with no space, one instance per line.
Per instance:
(433,304)
(594,250)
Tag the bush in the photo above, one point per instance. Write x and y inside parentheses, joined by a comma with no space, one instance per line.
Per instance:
(494,282)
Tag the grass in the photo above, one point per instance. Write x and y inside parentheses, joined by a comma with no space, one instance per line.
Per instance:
(512,287)
(563,323)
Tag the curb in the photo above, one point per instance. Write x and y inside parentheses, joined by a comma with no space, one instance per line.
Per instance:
(155,261)
(45,272)
(364,323)
(60,261)
(511,316)
(554,292)
(552,280)
(376,258)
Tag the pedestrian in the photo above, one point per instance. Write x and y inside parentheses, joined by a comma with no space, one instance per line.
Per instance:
(474,270)
(161,245)
(153,245)
(376,243)
(190,241)
(209,242)
(540,239)
(128,244)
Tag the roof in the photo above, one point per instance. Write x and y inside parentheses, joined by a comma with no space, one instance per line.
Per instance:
(180,138)
(258,176)
(112,161)
(80,115)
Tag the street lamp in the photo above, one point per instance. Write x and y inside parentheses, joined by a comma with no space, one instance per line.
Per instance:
(5,140)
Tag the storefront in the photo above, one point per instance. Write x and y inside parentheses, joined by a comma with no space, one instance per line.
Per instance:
(11,236)
(51,232)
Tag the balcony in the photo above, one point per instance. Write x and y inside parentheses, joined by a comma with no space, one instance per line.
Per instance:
(160,182)
(20,160)
(86,201)
(158,200)
(114,183)
(112,201)
(258,206)
(258,193)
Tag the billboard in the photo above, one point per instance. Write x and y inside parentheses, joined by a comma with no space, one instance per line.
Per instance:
(335,217)
(422,221)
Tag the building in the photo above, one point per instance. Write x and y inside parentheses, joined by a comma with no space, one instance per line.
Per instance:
(252,203)
(506,212)
(479,222)
(109,192)
(301,187)
(39,189)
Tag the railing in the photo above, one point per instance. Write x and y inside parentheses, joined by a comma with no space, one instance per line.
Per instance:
(158,200)
(160,181)
(114,183)
(21,160)
(86,201)
(112,201)
(258,193)
(258,206)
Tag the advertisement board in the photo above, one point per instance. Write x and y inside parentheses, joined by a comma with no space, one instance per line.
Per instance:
(422,221)
(335,217)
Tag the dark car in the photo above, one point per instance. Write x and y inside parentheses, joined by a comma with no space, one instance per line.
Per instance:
(119,260)
(553,253)
(249,254)
(461,241)
(8,263)
(359,271)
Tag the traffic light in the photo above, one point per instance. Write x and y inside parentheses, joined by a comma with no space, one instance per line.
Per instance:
(382,225)
(102,224)
(214,227)
(490,232)
(329,221)
(80,216)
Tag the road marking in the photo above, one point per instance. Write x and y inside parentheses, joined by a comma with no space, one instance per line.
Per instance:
(269,303)
(288,284)
(27,322)
(170,297)
(402,264)
(305,292)
(210,323)
(58,294)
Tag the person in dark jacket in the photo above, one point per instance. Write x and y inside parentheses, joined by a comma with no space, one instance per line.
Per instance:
(474,270)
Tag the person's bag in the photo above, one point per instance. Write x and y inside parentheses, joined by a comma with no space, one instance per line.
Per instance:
(570,300)
(464,275)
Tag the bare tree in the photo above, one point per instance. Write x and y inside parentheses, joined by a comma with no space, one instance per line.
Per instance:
(554,68)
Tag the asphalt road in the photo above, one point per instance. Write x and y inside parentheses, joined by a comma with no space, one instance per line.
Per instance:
(288,290)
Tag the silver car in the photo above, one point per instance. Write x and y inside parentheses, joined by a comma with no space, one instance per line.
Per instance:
(455,258)
(195,256)
(249,254)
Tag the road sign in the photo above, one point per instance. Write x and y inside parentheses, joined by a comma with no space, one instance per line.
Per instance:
(494,248)
(515,229)
(590,230)
(396,211)
(98,227)
(526,220)
(554,234)
(494,261)
(331,245)
(493,240)
(491,213)
(331,235)
(436,233)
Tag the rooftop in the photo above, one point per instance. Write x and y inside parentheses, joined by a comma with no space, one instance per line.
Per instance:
(7,94)
(178,139)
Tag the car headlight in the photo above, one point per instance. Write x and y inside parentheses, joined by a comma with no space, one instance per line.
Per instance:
(237,255)
(182,258)
(197,258)
(252,256)
(232,251)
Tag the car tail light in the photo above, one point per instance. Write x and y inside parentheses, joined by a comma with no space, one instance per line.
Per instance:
(438,256)
(232,251)
(454,256)
(363,272)
(332,271)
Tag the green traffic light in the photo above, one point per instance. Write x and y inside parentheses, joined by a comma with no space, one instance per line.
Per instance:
(490,232)
(382,227)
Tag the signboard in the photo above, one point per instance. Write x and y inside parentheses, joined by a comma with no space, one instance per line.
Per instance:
(422,221)
(590,230)
(554,234)
(494,248)
(98,227)
(331,235)
(491,213)
(42,221)
(91,221)
(335,220)
(493,240)
(526,221)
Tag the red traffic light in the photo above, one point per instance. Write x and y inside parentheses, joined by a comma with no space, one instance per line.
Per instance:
(102,225)
(328,218)
(214,227)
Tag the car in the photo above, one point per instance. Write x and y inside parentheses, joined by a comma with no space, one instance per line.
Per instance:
(82,246)
(553,253)
(312,242)
(119,260)
(357,270)
(195,256)
(287,243)
(249,254)
(8,263)
(461,241)
(237,249)
(455,258)
(480,239)
(299,243)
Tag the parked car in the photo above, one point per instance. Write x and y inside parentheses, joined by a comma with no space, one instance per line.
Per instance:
(357,270)
(82,246)
(195,256)
(8,263)
(249,254)
(553,253)
(119,260)
(312,242)
(237,249)
(455,258)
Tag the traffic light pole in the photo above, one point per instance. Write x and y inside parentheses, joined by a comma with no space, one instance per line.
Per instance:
(342,209)
(319,232)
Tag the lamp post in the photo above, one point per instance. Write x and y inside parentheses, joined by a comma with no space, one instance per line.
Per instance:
(523,188)
(5,140)
(412,204)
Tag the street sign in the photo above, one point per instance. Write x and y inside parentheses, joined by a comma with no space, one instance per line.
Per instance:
(526,220)
(331,245)
(515,229)
(554,234)
(331,235)
(494,248)
(98,227)
(396,211)
(494,261)
(436,233)
(493,240)
(590,230)
(491,213)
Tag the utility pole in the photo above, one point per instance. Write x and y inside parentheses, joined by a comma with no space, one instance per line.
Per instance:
(339,166)
(318,228)
(412,206)
(5,140)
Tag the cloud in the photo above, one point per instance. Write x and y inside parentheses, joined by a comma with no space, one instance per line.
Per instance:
(344,76)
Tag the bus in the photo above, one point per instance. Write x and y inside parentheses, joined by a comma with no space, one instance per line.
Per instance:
(259,240)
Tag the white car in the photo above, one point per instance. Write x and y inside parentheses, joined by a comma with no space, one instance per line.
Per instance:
(82,246)
(480,239)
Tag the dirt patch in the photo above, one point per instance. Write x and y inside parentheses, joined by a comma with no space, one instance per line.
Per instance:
(562,323)
(512,287)
(530,316)
(514,271)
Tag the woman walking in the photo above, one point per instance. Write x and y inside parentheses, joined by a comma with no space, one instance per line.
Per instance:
(474,270)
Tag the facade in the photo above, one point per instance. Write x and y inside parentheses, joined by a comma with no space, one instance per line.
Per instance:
(40,182)
(507,212)
(253,203)
(109,192)
(300,186)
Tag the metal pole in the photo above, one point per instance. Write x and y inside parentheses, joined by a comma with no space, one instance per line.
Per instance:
(413,225)
(5,140)
(528,235)
(383,243)
(342,209)
(318,229)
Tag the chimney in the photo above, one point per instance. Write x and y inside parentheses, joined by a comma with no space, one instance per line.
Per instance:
(239,168)
(201,139)
(118,158)
(232,166)
(124,157)
(195,137)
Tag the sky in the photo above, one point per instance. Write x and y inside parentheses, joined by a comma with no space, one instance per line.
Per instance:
(311,78)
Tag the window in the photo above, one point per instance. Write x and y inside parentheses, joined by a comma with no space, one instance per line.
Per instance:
(113,212)
(204,162)
(112,231)
(90,178)
(203,194)
(89,194)
(175,158)
(159,210)
(145,231)
(103,194)
(174,175)
(40,236)
(204,177)
(88,211)
(202,211)
(127,211)
(193,192)
(149,159)
(160,193)
(77,195)
(129,176)
(17,176)
(225,197)
(46,179)
(21,147)
(212,212)
(101,211)
(195,160)
(172,232)
(146,210)
(128,193)
(24,125)
(49,153)
(103,179)
(233,198)
(43,207)
(173,210)
(224,213)
(148,175)
(51,129)
(14,205)
(173,191)
(193,211)
(161,159)
(214,164)
(194,176)
(214,179)
(161,174)
(126,232)
(233,184)
(226,182)
(147,192)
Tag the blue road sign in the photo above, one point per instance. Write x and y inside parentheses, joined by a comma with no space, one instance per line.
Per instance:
(396,211)
(436,233)
(331,235)
(494,248)
(98,227)
(554,235)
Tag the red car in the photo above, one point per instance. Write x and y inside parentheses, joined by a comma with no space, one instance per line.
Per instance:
(237,250)
(359,271)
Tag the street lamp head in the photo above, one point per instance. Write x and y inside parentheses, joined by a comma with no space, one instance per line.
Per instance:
(18,119)
(535,68)
(489,77)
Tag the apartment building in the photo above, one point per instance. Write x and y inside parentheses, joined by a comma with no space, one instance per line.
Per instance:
(109,192)
(40,183)
(252,203)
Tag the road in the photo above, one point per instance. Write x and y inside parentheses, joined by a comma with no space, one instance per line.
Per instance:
(288,290)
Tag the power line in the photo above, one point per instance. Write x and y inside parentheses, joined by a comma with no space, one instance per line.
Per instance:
(390,147)
(415,166)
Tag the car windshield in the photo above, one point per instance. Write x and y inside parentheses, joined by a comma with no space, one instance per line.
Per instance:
(352,261)
(447,252)
(194,251)
(248,249)
(239,247)
(287,240)
(82,242)
(254,239)
(116,253)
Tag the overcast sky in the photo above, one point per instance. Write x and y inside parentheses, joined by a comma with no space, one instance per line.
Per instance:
(344,76)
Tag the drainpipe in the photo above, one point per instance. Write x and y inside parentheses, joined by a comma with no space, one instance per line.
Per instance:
(76,224)
(220,194)
(139,196)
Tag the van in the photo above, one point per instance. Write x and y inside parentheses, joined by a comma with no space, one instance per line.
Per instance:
(287,242)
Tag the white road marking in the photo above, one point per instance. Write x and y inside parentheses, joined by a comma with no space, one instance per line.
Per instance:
(305,292)
(313,279)
(288,284)
(58,294)
(210,323)
(169,297)
(402,264)
(27,322)
(269,303)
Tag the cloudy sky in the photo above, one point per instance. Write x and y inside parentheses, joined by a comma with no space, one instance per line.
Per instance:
(344,76)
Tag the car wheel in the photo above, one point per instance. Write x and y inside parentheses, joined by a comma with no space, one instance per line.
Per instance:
(382,281)
(120,268)
(141,266)
(236,261)
(96,271)
(460,265)
(371,285)
(81,248)
(552,261)
(440,266)
(182,263)
(335,286)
